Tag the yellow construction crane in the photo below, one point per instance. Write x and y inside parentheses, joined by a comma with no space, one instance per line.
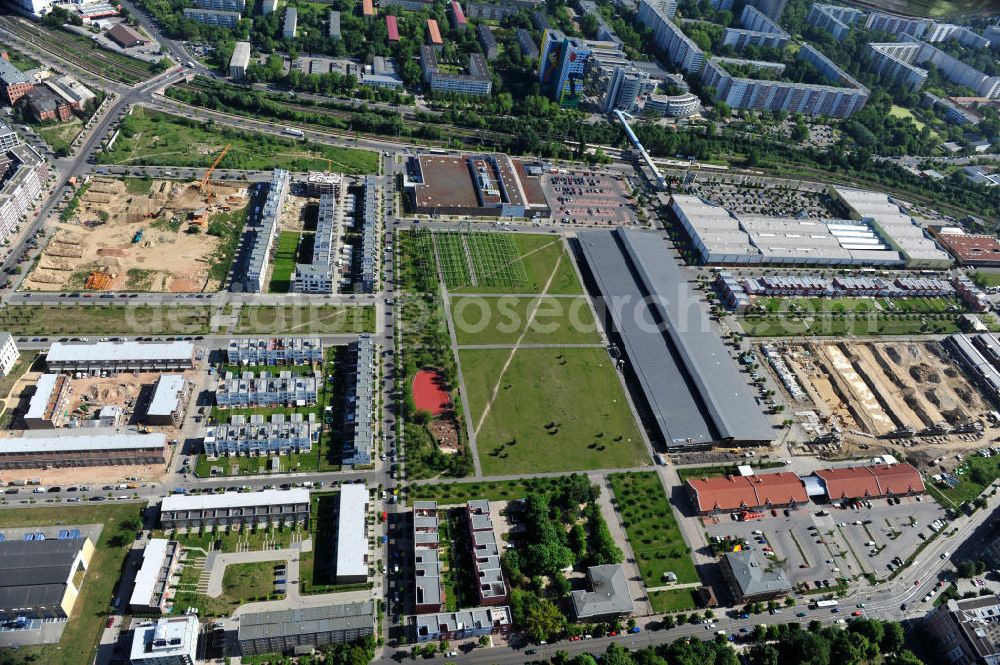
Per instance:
(206,185)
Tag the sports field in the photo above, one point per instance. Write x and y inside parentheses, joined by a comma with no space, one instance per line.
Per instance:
(505,263)
(555,409)
(503,320)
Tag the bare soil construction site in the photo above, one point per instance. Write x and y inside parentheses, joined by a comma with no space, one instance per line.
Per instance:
(121,240)
(907,391)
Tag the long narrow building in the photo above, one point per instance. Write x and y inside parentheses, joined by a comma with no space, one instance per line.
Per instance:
(695,393)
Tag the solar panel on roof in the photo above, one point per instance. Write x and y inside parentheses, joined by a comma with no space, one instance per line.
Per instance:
(29,536)
(74,533)
(39,536)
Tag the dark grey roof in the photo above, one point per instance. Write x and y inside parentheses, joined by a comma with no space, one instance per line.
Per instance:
(756,575)
(34,572)
(693,385)
(9,74)
(307,620)
(610,593)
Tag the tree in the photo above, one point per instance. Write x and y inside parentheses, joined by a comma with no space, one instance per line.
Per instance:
(543,621)
(892,640)
(966,569)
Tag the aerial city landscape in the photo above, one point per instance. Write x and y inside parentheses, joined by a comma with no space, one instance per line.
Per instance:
(490,332)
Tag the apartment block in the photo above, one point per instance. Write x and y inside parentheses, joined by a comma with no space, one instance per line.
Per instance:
(477,82)
(463,624)
(25,176)
(217,17)
(13,82)
(240,61)
(894,61)
(47,408)
(181,511)
(222,5)
(281,435)
(303,629)
(249,390)
(360,417)
(115,357)
(428,588)
(757,30)
(835,20)
(681,51)
(265,231)
(319,276)
(485,553)
(8,138)
(370,237)
(150,592)
(170,395)
(275,351)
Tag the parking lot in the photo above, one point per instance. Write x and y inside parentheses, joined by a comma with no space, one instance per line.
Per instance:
(588,198)
(821,543)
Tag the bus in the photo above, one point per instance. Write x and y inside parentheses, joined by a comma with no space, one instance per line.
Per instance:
(824,603)
(291,131)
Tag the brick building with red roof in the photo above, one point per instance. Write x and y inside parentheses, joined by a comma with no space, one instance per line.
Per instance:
(870,482)
(730,493)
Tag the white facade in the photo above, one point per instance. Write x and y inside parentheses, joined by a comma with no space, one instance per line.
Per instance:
(8,353)
(168,641)
(21,189)
(240,61)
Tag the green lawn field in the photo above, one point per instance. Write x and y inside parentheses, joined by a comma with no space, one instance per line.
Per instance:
(284,262)
(501,320)
(305,320)
(104,319)
(151,137)
(652,529)
(556,410)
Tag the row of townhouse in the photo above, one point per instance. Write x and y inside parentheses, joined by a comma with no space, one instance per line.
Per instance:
(428,590)
(360,418)
(275,351)
(319,275)
(231,509)
(485,552)
(266,231)
(285,388)
(297,433)
(370,235)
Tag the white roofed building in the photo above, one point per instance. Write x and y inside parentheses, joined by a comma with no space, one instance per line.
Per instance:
(352,535)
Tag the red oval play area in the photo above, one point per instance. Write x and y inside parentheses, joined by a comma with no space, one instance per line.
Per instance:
(428,393)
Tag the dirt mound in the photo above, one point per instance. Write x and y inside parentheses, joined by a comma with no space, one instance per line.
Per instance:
(924,374)
(107,251)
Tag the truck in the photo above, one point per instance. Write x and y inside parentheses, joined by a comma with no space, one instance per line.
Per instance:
(291,131)
(824,603)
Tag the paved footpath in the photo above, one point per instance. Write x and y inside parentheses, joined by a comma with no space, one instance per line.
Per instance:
(613,520)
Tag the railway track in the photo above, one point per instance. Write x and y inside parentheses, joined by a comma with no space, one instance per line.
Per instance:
(96,61)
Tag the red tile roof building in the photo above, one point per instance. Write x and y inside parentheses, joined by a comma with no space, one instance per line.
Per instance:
(392,27)
(729,493)
(434,33)
(367,8)
(857,482)
(971,249)
(458,20)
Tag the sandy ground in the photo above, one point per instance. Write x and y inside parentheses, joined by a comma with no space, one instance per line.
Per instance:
(93,476)
(870,389)
(166,259)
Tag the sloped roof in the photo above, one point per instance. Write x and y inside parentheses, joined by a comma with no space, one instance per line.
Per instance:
(735,492)
(855,482)
(610,593)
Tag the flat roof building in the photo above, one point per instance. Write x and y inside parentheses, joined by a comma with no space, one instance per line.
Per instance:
(485,552)
(170,393)
(257,434)
(463,624)
(288,631)
(240,61)
(47,407)
(291,25)
(167,641)
(115,357)
(267,228)
(693,386)
(360,417)
(8,352)
(352,535)
(275,351)
(42,579)
(609,596)
(212,17)
(150,592)
(966,631)
(969,249)
(428,589)
(74,449)
(233,509)
(752,577)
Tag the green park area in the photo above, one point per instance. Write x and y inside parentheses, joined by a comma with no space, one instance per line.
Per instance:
(105,319)
(155,138)
(60,135)
(540,319)
(655,536)
(448,494)
(549,409)
(794,325)
(974,475)
(241,583)
(284,262)
(78,643)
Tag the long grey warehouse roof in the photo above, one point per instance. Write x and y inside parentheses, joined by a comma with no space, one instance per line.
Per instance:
(692,383)
(119,351)
(234,500)
(60,444)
